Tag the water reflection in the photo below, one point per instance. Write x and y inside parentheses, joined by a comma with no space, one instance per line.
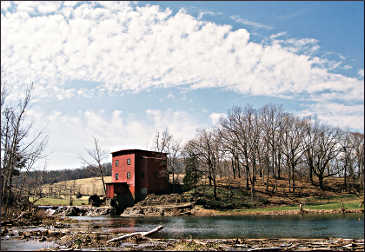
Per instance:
(235,226)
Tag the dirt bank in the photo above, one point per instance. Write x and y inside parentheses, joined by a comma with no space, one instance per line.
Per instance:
(200,211)
(182,204)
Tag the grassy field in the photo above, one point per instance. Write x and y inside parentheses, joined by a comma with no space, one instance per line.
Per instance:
(87,186)
(64,201)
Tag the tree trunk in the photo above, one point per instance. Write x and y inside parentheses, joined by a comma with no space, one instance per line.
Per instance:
(233,168)
(247,178)
(320,178)
(215,189)
(102,179)
(173,181)
(289,179)
(345,176)
(311,174)
(142,234)
(238,167)
(279,165)
(293,177)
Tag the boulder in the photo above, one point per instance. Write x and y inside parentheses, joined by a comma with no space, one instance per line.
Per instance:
(95,200)
(72,211)
(50,211)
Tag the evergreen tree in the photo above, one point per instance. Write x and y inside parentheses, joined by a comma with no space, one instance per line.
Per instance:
(192,174)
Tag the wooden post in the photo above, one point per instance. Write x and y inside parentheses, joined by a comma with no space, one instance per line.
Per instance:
(301,209)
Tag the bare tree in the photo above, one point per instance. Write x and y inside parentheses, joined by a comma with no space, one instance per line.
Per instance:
(358,145)
(292,145)
(31,186)
(173,160)
(321,150)
(348,158)
(96,157)
(165,142)
(273,125)
(162,141)
(242,129)
(192,169)
(21,144)
(205,149)
(229,146)
(235,134)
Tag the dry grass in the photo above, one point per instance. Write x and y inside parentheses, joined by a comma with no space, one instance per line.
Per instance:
(62,201)
(305,193)
(87,186)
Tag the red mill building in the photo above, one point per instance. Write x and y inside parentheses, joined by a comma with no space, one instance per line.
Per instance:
(137,173)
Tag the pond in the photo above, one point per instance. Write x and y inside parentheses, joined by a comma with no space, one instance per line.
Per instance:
(349,226)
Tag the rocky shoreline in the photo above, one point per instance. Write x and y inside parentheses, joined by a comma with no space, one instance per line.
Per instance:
(182,209)
(78,211)
(178,205)
(93,240)
(50,224)
(55,227)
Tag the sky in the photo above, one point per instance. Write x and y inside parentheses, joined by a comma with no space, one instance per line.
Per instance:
(121,71)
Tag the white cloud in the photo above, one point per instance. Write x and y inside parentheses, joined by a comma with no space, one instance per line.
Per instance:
(180,124)
(171,96)
(250,23)
(48,7)
(215,117)
(338,115)
(347,67)
(210,13)
(276,35)
(361,73)
(124,47)
(69,135)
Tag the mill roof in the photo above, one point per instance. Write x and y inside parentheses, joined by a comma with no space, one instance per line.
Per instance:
(129,151)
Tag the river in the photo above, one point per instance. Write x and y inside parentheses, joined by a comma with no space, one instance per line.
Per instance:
(349,226)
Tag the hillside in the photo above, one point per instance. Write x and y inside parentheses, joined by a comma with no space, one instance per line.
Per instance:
(232,195)
(86,186)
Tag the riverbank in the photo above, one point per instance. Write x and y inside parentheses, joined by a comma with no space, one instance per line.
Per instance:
(94,240)
(86,232)
(185,204)
(199,211)
(176,205)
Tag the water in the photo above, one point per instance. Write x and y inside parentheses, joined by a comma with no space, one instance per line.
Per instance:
(16,245)
(350,226)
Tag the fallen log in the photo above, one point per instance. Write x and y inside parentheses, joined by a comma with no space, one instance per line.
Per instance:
(142,234)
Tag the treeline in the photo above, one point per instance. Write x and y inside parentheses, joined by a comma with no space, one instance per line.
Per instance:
(50,177)
(271,144)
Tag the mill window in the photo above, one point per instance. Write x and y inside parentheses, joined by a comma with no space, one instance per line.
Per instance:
(128,161)
(116,176)
(116,163)
(128,175)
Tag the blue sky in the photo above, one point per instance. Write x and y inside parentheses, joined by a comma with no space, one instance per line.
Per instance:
(122,71)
